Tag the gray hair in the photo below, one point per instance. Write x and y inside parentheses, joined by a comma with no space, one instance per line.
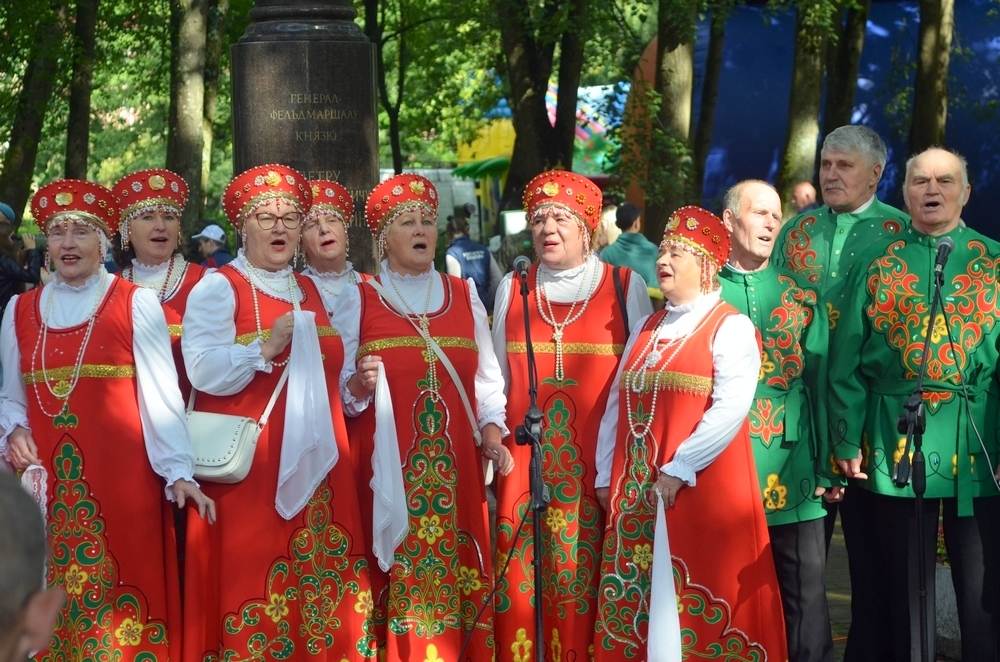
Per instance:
(734,196)
(22,551)
(859,139)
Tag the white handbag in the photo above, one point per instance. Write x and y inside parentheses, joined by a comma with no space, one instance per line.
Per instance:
(224,444)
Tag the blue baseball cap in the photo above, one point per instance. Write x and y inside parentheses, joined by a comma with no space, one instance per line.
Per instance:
(7,211)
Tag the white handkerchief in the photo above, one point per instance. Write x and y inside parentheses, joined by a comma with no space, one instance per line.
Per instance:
(390,519)
(664,643)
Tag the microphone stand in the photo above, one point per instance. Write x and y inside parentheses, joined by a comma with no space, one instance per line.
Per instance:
(913,423)
(531,433)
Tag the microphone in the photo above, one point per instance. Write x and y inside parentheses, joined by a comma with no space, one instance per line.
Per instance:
(944,248)
(522,263)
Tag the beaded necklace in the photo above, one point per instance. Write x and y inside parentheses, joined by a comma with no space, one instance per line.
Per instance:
(646,361)
(352,279)
(423,320)
(571,316)
(63,388)
(170,283)
(252,272)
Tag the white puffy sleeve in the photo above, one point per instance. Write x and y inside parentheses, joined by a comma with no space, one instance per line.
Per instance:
(161,407)
(490,398)
(215,363)
(13,397)
(736,362)
(347,321)
(500,305)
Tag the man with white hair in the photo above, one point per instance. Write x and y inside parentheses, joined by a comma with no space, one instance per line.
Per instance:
(787,418)
(879,348)
(823,245)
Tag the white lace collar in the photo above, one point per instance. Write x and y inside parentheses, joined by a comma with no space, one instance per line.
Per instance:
(417,278)
(701,304)
(146,271)
(572,272)
(59,285)
(311,271)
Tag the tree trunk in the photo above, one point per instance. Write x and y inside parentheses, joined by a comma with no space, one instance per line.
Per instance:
(32,103)
(78,124)
(842,61)
(375,32)
(188,20)
(799,158)
(671,168)
(538,146)
(709,96)
(218,11)
(930,90)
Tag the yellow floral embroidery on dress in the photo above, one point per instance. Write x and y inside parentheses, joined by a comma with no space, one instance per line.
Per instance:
(833,315)
(555,520)
(468,580)
(766,366)
(642,555)
(432,654)
(365,604)
(75,579)
(430,529)
(900,445)
(775,493)
(556,645)
(938,332)
(278,607)
(129,633)
(521,648)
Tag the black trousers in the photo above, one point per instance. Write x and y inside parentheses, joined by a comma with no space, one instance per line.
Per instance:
(799,552)
(867,640)
(976,589)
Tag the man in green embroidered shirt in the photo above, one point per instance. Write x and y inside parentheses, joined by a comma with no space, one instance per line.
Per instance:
(787,420)
(823,245)
(878,349)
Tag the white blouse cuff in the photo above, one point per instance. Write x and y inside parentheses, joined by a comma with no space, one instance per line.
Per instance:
(352,406)
(173,476)
(498,417)
(250,355)
(681,470)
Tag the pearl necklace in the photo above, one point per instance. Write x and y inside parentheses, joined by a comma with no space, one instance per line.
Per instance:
(168,287)
(647,360)
(352,279)
(252,273)
(550,318)
(424,322)
(63,389)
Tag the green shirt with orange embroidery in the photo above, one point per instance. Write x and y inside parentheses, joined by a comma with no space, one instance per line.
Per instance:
(788,424)
(878,346)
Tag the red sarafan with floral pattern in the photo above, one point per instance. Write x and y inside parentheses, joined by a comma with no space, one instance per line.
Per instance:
(900,310)
(111,531)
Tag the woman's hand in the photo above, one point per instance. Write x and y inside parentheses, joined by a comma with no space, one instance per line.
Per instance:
(362,383)
(281,335)
(493,449)
(185,489)
(668,487)
(23,451)
(603,494)
(29,242)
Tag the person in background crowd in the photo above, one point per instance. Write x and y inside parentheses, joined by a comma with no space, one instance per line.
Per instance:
(469,259)
(27,610)
(325,242)
(824,245)
(286,563)
(804,197)
(148,248)
(878,348)
(212,245)
(97,420)
(13,276)
(427,506)
(579,310)
(788,416)
(675,436)
(632,249)
(606,232)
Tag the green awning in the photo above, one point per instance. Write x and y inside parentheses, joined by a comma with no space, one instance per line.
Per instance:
(493,167)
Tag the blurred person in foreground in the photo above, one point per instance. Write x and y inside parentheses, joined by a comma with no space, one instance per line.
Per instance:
(876,357)
(674,440)
(27,609)
(788,427)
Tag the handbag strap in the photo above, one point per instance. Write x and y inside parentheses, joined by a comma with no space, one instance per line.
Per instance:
(441,355)
(262,421)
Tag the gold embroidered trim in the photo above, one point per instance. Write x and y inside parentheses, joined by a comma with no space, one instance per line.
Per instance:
(247,338)
(669,381)
(413,341)
(593,349)
(86,370)
(175,330)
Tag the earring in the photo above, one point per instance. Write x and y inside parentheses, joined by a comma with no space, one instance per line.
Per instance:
(123,235)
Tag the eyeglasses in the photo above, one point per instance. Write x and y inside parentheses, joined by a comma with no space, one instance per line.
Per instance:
(291,221)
